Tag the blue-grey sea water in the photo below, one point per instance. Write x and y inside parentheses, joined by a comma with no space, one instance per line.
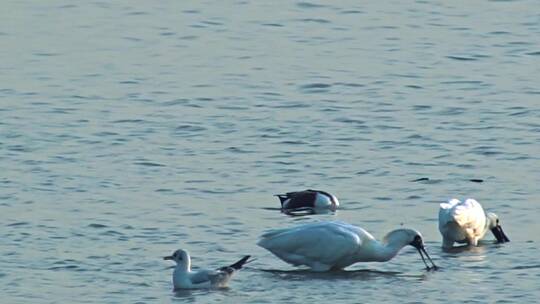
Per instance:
(129,129)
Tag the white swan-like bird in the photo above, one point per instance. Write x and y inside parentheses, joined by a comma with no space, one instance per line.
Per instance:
(184,278)
(324,246)
(467,222)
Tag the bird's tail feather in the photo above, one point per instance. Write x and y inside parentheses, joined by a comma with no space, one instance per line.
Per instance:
(241,262)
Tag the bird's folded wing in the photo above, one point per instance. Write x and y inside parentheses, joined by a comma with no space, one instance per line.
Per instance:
(469,213)
(301,199)
(450,204)
(201,276)
(323,242)
(445,213)
(463,213)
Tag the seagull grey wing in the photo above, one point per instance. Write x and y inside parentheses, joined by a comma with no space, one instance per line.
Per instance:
(210,278)
(221,278)
(203,276)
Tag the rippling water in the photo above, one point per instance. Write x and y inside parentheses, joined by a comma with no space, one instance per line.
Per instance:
(131,129)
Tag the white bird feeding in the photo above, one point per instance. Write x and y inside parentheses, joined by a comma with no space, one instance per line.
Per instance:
(467,222)
(184,278)
(325,246)
(312,201)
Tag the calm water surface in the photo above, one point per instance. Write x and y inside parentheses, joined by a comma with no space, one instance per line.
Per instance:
(131,129)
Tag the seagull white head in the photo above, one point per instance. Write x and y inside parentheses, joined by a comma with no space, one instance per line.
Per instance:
(181,257)
(496,229)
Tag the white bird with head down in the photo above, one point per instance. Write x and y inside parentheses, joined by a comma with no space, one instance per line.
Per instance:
(325,246)
(467,222)
(313,201)
(184,278)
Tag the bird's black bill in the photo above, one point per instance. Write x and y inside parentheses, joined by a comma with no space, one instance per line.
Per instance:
(419,245)
(168,258)
(499,234)
(423,251)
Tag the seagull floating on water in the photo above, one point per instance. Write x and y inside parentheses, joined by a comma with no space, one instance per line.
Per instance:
(184,278)
(308,200)
(325,246)
(467,222)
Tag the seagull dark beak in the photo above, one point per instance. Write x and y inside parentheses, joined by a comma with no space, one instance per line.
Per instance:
(499,234)
(168,258)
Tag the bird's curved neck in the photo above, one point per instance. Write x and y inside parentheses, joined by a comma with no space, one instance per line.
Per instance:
(489,222)
(384,251)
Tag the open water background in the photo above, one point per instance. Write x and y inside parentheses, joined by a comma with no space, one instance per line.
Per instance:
(129,129)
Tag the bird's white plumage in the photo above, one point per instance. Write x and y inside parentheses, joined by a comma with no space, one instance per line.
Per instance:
(199,279)
(463,222)
(185,278)
(332,245)
(309,244)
